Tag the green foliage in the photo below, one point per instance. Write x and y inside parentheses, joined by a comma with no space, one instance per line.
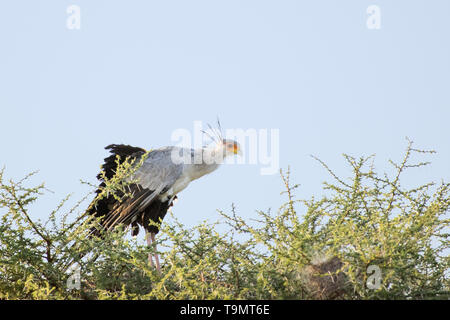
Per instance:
(308,249)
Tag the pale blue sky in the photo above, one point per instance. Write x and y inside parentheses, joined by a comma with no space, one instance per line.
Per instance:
(138,70)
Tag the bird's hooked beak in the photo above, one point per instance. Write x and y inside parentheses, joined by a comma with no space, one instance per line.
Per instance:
(237,149)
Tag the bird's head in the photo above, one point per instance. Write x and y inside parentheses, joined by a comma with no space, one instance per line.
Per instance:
(231,147)
(222,147)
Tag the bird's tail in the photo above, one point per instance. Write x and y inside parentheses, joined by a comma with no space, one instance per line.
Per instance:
(100,208)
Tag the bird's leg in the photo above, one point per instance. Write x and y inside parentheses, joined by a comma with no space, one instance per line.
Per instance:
(149,243)
(156,254)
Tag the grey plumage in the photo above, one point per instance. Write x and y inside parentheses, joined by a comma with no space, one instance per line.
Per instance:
(153,178)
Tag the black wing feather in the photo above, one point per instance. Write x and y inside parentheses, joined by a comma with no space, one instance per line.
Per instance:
(129,211)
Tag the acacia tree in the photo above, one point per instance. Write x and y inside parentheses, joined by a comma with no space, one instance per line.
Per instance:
(367,238)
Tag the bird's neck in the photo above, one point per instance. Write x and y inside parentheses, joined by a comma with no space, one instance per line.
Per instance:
(206,160)
(213,154)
